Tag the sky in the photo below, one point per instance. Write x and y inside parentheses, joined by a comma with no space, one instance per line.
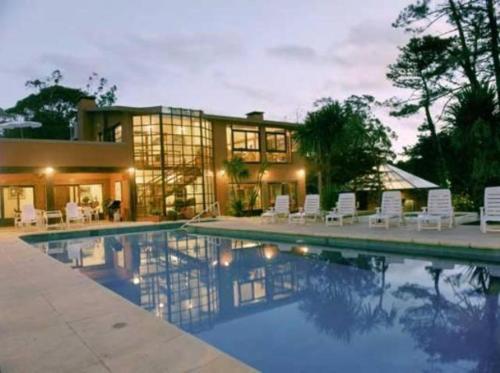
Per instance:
(221,56)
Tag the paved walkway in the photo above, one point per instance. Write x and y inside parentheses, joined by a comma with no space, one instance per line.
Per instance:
(460,236)
(54,319)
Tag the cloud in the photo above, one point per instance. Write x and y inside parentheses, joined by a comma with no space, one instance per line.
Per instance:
(294,52)
(193,52)
(251,92)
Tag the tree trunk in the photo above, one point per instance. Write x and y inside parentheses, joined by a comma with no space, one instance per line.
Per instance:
(467,65)
(493,25)
(440,161)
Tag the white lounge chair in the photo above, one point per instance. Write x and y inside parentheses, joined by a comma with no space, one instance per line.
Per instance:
(439,209)
(346,209)
(311,210)
(391,209)
(281,209)
(491,210)
(74,214)
(28,216)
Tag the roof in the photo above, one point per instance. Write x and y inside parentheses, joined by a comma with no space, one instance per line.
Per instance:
(168,110)
(395,178)
(228,118)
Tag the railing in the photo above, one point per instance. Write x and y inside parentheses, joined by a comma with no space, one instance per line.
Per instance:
(197,218)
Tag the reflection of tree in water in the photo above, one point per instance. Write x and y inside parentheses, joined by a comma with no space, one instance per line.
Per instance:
(463,327)
(345,297)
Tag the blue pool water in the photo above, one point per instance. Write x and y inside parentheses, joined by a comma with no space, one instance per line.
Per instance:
(295,308)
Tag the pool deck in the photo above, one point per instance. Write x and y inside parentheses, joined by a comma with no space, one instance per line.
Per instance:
(463,236)
(54,319)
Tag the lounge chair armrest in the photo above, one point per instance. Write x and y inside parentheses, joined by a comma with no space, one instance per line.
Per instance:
(481,210)
(377,210)
(424,209)
(334,210)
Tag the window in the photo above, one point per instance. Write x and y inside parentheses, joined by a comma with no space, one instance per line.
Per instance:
(246,194)
(118,190)
(286,188)
(13,198)
(117,133)
(112,134)
(244,142)
(181,178)
(84,195)
(277,149)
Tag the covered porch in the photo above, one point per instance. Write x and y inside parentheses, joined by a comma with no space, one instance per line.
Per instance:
(48,174)
(51,189)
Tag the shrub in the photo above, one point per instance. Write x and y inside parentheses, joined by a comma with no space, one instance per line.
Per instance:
(329,197)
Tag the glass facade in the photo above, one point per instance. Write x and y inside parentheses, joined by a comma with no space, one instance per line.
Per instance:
(173,154)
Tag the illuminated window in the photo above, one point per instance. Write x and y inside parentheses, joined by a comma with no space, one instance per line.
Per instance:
(277,149)
(286,188)
(13,198)
(174,163)
(249,194)
(117,133)
(244,142)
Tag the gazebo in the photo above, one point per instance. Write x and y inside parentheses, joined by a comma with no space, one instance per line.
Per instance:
(412,187)
(394,178)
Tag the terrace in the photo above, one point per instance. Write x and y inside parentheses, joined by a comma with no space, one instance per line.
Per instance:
(57,318)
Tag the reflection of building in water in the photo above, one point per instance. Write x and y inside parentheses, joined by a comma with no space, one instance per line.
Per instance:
(191,281)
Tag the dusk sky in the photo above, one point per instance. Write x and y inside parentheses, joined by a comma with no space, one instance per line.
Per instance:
(221,56)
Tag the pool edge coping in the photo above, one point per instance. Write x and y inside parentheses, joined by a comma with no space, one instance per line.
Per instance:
(440,250)
(22,238)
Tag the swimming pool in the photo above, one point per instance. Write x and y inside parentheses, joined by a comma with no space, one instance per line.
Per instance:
(296,308)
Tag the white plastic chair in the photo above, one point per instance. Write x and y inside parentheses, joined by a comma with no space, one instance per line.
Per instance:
(73,214)
(438,210)
(391,209)
(345,209)
(281,209)
(311,210)
(28,216)
(90,214)
(491,210)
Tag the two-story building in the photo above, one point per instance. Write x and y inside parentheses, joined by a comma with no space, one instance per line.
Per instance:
(154,159)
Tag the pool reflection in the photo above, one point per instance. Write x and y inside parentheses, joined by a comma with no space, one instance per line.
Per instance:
(442,313)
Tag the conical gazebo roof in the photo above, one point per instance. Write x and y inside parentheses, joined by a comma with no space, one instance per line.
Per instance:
(394,178)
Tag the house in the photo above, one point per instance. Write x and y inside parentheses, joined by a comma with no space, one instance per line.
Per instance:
(153,159)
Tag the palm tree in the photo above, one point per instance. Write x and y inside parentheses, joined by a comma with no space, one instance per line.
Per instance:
(237,170)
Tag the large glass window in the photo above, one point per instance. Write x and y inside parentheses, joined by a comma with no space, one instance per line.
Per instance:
(83,194)
(180,178)
(249,194)
(286,188)
(13,198)
(244,142)
(277,148)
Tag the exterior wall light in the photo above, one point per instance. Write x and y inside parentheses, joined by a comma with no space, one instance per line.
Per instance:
(48,171)
(222,172)
(131,170)
(301,172)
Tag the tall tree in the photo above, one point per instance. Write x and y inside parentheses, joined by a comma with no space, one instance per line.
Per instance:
(494,40)
(464,27)
(424,67)
(344,140)
(54,105)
